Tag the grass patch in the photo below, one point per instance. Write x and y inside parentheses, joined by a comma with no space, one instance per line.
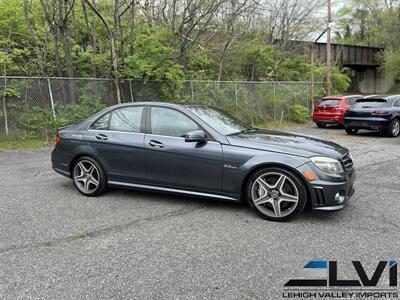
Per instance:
(80,235)
(20,140)
(26,144)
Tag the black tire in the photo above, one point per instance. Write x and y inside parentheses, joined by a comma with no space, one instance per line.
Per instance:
(97,174)
(321,125)
(265,207)
(393,129)
(351,131)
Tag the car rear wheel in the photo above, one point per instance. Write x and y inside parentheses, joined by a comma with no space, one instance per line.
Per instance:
(276,194)
(394,129)
(321,125)
(351,131)
(89,177)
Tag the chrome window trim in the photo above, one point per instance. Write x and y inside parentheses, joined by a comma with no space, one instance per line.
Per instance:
(141,133)
(182,110)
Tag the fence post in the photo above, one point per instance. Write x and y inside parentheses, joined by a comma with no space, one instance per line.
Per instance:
(5,113)
(308,100)
(236,100)
(130,90)
(192,90)
(5,105)
(274,101)
(51,99)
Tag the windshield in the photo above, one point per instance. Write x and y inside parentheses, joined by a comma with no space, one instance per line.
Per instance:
(327,102)
(370,103)
(221,121)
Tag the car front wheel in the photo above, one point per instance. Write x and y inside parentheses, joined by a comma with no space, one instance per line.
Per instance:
(89,177)
(276,194)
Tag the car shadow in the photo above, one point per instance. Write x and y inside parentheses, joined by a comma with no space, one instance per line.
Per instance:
(361,133)
(377,134)
(241,209)
(337,127)
(170,198)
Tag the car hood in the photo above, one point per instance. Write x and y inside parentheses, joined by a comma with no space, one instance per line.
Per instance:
(286,142)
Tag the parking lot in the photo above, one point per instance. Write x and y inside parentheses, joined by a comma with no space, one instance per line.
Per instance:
(55,243)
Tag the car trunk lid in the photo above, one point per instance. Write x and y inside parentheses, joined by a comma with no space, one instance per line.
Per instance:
(328,106)
(367,108)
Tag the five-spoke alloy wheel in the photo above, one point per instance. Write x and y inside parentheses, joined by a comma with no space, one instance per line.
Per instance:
(89,177)
(276,194)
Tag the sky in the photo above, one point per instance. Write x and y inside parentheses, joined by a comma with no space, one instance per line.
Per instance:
(336,6)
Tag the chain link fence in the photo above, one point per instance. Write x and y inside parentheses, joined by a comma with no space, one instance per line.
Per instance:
(35,107)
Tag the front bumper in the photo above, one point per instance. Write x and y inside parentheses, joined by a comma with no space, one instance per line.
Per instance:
(330,197)
(330,193)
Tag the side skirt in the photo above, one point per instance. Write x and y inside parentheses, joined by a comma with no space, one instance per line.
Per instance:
(170,190)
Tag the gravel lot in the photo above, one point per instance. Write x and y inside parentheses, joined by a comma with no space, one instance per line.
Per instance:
(55,243)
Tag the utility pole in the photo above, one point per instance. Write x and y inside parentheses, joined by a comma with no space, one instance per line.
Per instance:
(328,49)
(312,64)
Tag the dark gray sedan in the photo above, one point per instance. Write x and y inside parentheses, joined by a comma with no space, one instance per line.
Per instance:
(202,151)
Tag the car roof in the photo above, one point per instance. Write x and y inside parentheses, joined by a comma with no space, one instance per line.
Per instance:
(340,97)
(158,103)
(388,98)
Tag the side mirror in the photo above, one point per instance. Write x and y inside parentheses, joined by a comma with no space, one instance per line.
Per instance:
(198,136)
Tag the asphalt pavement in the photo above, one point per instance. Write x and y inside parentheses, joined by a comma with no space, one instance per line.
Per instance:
(57,244)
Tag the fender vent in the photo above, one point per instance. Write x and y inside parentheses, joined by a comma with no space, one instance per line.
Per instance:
(320,196)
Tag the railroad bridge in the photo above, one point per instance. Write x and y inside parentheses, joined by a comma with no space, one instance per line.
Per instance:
(361,60)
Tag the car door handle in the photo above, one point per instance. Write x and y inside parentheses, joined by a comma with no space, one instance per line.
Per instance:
(154,143)
(101,136)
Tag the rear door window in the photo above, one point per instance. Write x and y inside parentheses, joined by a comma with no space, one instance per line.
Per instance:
(126,119)
(102,123)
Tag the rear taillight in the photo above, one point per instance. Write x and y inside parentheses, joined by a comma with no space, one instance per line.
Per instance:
(381,113)
(58,139)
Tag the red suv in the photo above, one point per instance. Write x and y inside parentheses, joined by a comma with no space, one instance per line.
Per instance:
(331,109)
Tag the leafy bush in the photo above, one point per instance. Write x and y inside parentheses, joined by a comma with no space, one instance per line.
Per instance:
(299,114)
(41,123)
(75,113)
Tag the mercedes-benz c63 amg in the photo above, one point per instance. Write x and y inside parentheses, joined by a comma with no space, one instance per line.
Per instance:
(202,151)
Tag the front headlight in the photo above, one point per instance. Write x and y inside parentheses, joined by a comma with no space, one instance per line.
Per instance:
(328,165)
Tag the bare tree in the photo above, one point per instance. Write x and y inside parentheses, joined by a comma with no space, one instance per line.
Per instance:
(287,20)
(50,12)
(114,55)
(234,23)
(65,9)
(188,20)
